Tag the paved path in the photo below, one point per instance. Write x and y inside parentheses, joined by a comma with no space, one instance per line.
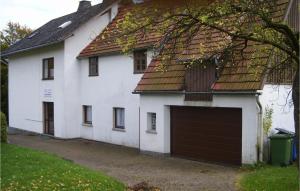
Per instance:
(130,167)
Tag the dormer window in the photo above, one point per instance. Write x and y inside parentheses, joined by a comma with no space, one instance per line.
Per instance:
(33,34)
(199,78)
(65,24)
(140,61)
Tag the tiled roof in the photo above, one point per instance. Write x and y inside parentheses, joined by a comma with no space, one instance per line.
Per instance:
(106,43)
(234,76)
(239,74)
(171,79)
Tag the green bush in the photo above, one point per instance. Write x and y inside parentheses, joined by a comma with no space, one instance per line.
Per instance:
(267,119)
(3,128)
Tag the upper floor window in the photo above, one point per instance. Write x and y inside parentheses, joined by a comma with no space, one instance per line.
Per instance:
(93,66)
(140,61)
(48,69)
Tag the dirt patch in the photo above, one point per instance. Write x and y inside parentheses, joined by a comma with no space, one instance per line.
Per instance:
(132,168)
(143,186)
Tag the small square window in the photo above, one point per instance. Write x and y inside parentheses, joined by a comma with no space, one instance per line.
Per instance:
(93,66)
(140,61)
(48,69)
(119,118)
(87,114)
(151,120)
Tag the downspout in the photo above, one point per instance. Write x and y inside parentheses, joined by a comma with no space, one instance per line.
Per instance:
(139,129)
(260,131)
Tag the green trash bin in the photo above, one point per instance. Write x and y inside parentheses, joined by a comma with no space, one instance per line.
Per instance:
(281,148)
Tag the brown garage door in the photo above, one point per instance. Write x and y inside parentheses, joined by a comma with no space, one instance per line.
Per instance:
(207,134)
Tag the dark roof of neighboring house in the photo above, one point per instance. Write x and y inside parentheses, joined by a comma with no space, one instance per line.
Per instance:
(235,75)
(49,33)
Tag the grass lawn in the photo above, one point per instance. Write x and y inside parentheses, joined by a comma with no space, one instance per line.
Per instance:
(270,178)
(27,169)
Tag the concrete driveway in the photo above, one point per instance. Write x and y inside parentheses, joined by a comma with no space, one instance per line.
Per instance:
(130,167)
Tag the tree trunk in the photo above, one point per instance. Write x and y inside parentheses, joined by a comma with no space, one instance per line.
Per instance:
(295,95)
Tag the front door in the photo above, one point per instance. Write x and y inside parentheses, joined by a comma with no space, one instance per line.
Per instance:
(49,118)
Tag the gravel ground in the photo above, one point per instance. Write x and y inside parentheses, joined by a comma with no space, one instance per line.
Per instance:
(131,167)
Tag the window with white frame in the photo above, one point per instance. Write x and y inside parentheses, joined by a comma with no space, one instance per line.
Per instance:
(151,120)
(119,118)
(87,114)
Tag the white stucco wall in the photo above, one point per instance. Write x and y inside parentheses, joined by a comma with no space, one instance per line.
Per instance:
(112,88)
(72,88)
(279,98)
(73,45)
(27,89)
(159,104)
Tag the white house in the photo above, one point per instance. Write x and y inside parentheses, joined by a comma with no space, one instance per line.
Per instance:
(43,70)
(67,81)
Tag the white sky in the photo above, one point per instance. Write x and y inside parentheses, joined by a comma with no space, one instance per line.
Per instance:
(35,13)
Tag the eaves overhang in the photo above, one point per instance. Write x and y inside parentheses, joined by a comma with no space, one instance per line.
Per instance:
(31,48)
(234,92)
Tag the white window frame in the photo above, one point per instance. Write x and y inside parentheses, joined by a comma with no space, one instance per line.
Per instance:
(48,70)
(116,118)
(151,122)
(86,117)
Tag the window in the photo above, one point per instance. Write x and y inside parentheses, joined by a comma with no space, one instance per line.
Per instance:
(199,79)
(93,66)
(87,114)
(48,69)
(151,120)
(33,34)
(140,61)
(65,24)
(119,118)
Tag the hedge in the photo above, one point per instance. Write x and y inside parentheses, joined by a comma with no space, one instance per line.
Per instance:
(3,128)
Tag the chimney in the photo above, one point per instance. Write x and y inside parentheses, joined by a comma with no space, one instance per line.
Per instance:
(83,4)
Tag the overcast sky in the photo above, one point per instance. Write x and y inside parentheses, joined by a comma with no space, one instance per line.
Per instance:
(34,13)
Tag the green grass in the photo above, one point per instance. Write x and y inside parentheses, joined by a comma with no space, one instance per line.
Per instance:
(270,178)
(27,169)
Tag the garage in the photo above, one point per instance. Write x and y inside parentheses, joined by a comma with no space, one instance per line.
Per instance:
(207,134)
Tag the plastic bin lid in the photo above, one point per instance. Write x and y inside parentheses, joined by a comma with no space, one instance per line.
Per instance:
(284,131)
(280,136)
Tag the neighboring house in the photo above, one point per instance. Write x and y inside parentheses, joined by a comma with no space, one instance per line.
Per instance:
(100,94)
(279,98)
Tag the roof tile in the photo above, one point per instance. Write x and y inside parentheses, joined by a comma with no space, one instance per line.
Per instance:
(236,75)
